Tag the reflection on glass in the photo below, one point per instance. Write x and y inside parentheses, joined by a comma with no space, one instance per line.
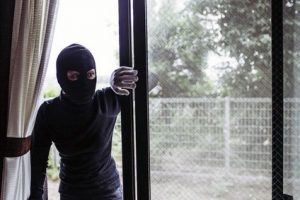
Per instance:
(291,99)
(210,115)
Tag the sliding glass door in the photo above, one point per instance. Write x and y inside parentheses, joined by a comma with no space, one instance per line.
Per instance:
(210,117)
(292,99)
(222,121)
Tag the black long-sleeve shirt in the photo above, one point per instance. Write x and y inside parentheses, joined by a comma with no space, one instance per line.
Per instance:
(83,136)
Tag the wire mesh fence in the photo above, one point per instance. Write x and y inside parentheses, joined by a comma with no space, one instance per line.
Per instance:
(219,147)
(291,142)
(216,148)
(211,148)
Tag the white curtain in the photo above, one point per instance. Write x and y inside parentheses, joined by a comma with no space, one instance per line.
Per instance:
(31,42)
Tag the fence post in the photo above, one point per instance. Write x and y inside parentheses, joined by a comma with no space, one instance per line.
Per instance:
(226,131)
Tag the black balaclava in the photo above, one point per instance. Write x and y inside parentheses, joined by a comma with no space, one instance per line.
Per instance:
(78,58)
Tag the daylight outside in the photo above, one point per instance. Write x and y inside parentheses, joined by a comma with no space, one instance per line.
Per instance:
(210,114)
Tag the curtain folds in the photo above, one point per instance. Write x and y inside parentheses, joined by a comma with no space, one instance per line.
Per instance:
(31,42)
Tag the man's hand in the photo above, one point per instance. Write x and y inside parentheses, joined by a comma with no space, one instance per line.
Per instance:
(122,79)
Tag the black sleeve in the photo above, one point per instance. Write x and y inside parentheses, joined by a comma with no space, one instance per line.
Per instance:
(109,101)
(40,146)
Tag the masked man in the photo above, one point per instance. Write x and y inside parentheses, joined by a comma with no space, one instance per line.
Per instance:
(80,122)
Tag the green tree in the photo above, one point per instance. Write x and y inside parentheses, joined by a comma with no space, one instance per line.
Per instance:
(177,51)
(50,92)
(245,34)
(180,40)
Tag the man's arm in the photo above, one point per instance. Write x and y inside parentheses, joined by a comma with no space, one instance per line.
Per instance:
(40,146)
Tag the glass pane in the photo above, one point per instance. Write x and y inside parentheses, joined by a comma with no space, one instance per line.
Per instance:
(292,99)
(210,114)
(95,25)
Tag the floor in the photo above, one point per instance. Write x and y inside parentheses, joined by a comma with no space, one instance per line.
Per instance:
(53,190)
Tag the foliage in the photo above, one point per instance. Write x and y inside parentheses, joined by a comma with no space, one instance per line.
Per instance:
(117,143)
(246,35)
(177,51)
(51,92)
(181,40)
(52,169)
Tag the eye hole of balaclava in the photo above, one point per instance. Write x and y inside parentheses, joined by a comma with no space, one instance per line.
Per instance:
(76,73)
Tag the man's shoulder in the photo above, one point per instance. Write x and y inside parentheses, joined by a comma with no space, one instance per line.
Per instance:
(50,103)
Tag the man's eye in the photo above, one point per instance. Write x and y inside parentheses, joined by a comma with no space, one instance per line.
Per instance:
(91,75)
(73,76)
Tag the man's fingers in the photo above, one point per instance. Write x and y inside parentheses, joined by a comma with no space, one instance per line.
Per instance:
(127,82)
(124,83)
(121,91)
(125,70)
(128,78)
(119,80)
(128,85)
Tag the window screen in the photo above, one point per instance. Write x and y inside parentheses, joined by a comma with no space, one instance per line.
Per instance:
(210,116)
